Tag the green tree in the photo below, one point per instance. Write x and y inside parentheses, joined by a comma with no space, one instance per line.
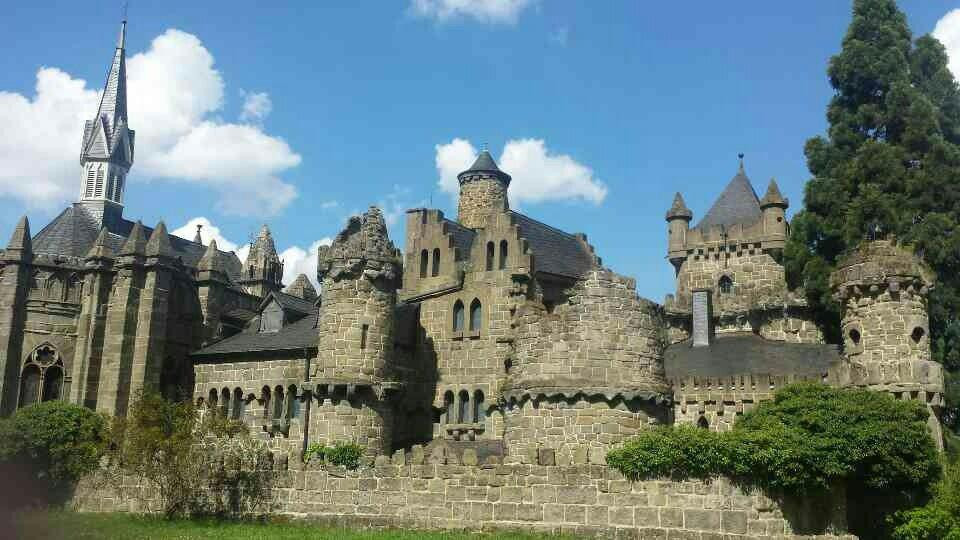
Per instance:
(890,158)
(56,442)
(940,518)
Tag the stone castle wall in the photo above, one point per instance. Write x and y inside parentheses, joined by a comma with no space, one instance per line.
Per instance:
(480,197)
(418,491)
(757,278)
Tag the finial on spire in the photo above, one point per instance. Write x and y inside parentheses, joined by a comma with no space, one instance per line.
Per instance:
(121,41)
(483,147)
(740,157)
(198,239)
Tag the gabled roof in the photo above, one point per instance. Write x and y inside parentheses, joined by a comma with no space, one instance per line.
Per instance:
(289,302)
(555,251)
(738,204)
(296,336)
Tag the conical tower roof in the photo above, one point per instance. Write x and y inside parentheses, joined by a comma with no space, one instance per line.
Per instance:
(484,164)
(738,204)
(773,197)
(679,210)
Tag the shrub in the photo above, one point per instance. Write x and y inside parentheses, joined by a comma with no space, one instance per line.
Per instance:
(58,441)
(940,518)
(342,454)
(808,438)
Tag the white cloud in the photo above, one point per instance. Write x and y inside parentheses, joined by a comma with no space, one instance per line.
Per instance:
(175,93)
(538,174)
(256,107)
(947,31)
(487,11)
(296,259)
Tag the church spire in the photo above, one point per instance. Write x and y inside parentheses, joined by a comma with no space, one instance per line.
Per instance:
(106,153)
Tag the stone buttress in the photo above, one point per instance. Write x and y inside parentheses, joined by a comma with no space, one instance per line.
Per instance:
(353,377)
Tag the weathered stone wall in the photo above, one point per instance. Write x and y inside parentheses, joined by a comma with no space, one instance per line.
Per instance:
(758,279)
(479,197)
(585,500)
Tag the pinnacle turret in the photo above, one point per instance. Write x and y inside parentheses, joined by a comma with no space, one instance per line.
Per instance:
(136,242)
(101,247)
(20,245)
(773,197)
(302,288)
(159,243)
(679,210)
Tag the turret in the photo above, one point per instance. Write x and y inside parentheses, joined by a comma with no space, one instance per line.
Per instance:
(773,206)
(678,225)
(883,292)
(483,190)
(360,273)
(263,270)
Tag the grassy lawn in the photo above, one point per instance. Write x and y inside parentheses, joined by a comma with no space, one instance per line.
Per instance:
(54,525)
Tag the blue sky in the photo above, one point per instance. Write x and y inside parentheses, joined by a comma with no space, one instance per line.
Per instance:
(300,114)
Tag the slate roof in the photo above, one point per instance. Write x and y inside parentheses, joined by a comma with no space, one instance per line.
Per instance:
(485,164)
(555,251)
(738,204)
(74,231)
(741,354)
(291,302)
(462,237)
(292,337)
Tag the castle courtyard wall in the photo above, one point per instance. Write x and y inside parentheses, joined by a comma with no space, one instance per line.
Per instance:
(582,500)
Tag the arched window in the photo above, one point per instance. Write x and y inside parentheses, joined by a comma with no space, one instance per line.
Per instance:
(725,284)
(448,409)
(30,385)
(41,378)
(237,404)
(703,423)
(458,316)
(463,412)
(490,249)
(503,254)
(476,315)
(423,263)
(265,397)
(478,412)
(225,403)
(277,403)
(435,271)
(291,402)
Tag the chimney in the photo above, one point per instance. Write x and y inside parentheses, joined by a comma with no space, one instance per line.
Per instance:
(702,316)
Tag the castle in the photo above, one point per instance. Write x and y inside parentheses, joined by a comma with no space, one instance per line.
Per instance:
(492,335)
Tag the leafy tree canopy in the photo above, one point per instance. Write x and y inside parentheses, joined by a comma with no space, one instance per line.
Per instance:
(891,158)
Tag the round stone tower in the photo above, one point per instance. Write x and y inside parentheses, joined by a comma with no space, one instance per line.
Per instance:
(483,190)
(678,225)
(882,290)
(360,272)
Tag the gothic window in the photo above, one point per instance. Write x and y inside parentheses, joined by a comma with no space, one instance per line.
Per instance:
(476,315)
(237,412)
(436,263)
(42,376)
(265,398)
(278,403)
(478,412)
(448,408)
(424,256)
(503,254)
(458,316)
(490,250)
(725,284)
(463,412)
(291,402)
(212,400)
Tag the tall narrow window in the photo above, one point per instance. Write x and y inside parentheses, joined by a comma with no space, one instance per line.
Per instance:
(52,383)
(88,192)
(463,412)
(436,262)
(476,315)
(29,385)
(212,400)
(237,412)
(458,316)
(225,403)
(363,336)
(278,403)
(478,412)
(265,396)
(98,188)
(449,416)
(291,402)
(503,254)
(423,263)
(490,249)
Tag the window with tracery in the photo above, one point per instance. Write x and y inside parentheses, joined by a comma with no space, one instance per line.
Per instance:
(41,378)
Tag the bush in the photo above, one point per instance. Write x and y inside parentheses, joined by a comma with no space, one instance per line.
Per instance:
(210,467)
(938,520)
(345,455)
(807,439)
(57,441)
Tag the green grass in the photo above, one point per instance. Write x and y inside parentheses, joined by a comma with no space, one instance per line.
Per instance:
(57,525)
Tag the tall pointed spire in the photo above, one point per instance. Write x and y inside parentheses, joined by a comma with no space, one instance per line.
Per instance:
(106,153)
(20,245)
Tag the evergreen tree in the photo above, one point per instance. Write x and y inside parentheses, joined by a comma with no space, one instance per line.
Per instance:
(890,160)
